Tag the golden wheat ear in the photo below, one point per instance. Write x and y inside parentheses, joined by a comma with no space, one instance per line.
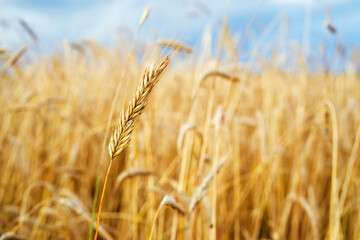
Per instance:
(121,137)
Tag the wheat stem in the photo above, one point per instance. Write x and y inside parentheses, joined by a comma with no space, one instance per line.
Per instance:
(101,200)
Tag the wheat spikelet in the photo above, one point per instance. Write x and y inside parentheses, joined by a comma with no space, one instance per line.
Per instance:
(131,173)
(14,58)
(11,236)
(246,121)
(171,202)
(178,46)
(29,30)
(121,137)
(215,73)
(183,130)
(330,27)
(309,211)
(144,16)
(167,201)
(201,190)
(222,75)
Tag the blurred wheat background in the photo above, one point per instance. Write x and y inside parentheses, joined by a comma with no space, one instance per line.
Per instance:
(224,150)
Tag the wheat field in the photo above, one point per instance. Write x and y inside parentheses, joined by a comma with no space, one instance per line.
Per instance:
(219,152)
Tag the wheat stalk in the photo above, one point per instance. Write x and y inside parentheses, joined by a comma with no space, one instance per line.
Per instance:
(121,137)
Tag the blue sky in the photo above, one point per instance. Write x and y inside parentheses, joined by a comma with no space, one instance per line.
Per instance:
(297,21)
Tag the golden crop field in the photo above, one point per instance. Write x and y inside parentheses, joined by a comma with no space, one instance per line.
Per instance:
(195,146)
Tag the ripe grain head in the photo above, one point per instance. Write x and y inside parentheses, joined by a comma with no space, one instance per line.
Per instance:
(121,137)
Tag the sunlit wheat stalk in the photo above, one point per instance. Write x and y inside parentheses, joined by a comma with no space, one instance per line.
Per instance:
(122,134)
(333,218)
